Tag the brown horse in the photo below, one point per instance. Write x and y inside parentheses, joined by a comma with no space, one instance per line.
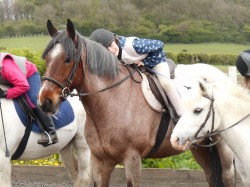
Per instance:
(120,125)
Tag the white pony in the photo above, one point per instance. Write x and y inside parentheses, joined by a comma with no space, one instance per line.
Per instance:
(216,109)
(72,145)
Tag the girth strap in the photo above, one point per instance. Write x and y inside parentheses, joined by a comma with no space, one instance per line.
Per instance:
(23,143)
(161,133)
(169,112)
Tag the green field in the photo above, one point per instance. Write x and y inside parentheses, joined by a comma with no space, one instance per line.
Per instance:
(207,48)
(39,43)
(34,43)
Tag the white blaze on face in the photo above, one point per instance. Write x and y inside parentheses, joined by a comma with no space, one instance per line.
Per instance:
(56,52)
(58,49)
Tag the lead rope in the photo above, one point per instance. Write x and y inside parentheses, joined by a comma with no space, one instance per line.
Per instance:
(7,154)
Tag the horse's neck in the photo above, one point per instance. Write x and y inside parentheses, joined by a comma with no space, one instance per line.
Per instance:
(231,110)
(116,96)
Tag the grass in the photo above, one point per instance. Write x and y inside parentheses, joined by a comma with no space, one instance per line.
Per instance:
(39,43)
(34,43)
(207,48)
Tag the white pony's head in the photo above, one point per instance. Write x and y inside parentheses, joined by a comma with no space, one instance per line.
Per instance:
(197,119)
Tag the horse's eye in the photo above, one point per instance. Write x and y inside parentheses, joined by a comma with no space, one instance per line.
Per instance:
(197,110)
(67,60)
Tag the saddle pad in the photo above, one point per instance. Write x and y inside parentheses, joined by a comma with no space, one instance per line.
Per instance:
(64,116)
(149,96)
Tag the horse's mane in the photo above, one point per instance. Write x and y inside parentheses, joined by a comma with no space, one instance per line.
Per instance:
(99,60)
(240,92)
(226,93)
(235,95)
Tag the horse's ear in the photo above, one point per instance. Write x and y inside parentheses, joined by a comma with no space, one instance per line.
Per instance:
(71,29)
(51,29)
(203,87)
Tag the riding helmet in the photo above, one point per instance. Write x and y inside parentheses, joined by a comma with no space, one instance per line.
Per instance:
(103,37)
(243,63)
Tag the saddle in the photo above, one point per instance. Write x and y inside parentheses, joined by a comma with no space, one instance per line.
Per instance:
(168,109)
(159,92)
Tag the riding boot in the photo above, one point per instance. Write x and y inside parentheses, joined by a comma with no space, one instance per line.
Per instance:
(49,136)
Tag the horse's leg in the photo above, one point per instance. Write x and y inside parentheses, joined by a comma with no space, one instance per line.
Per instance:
(69,160)
(101,170)
(226,158)
(133,169)
(82,153)
(76,158)
(5,171)
(204,159)
(201,155)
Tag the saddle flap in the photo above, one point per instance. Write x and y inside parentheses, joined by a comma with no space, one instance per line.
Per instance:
(159,100)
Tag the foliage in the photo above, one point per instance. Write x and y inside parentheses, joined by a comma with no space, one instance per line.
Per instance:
(223,59)
(186,21)
(182,161)
(53,160)
(34,57)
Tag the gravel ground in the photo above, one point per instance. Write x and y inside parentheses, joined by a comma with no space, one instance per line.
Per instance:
(46,184)
(40,184)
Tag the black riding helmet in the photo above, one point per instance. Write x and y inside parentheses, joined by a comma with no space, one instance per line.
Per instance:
(243,63)
(103,37)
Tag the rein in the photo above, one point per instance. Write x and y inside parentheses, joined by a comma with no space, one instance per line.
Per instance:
(104,89)
(210,135)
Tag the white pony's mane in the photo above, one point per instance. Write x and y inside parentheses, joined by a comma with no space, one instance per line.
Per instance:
(233,100)
(238,93)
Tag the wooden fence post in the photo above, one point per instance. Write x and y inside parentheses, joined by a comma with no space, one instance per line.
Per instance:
(232,73)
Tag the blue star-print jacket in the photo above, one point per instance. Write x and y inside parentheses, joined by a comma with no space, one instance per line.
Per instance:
(151,49)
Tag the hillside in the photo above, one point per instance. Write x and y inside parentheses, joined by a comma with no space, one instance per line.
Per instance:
(175,21)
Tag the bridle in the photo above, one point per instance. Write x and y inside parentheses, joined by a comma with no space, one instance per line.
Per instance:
(65,87)
(211,133)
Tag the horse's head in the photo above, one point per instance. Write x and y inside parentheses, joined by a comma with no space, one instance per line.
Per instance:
(69,58)
(197,120)
(62,57)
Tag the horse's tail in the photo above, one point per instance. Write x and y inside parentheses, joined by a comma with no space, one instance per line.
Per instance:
(216,167)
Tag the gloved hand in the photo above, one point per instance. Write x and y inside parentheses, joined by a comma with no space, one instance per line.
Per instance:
(3,93)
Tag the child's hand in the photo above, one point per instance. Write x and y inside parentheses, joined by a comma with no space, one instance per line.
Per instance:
(139,63)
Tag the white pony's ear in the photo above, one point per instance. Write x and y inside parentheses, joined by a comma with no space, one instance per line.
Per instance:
(203,87)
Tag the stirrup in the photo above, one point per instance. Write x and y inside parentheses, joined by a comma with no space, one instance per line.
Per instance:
(50,141)
(45,133)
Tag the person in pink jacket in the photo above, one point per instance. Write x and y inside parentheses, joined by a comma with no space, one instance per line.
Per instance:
(21,73)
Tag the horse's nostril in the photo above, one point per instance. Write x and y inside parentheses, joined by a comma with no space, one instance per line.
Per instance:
(48,103)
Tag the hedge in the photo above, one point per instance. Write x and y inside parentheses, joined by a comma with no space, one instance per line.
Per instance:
(180,58)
